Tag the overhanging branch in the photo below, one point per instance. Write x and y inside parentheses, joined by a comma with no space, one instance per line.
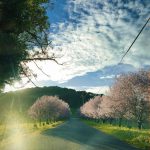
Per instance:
(41,59)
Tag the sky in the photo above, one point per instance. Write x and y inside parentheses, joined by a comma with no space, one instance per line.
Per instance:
(90,37)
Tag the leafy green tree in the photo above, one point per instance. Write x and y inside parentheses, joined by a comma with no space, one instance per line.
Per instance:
(24,30)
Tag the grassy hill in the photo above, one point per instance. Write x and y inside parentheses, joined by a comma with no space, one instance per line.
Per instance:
(20,101)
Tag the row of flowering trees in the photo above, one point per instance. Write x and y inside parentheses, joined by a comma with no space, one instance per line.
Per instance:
(128,98)
(49,108)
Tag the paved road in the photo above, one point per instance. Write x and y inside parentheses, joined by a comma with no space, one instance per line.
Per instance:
(72,135)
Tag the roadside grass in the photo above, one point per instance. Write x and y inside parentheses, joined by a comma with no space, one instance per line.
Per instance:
(137,138)
(12,133)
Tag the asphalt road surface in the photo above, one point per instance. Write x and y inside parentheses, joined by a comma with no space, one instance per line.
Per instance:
(72,135)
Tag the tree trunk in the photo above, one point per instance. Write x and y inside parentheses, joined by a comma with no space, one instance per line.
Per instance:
(47,121)
(120,122)
(128,124)
(103,120)
(110,120)
(40,122)
(139,124)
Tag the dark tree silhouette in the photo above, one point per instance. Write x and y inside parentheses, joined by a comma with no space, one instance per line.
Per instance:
(24,37)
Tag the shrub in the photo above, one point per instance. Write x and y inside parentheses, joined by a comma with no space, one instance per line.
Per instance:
(49,108)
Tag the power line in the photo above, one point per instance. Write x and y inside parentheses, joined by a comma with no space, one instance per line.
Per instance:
(135,39)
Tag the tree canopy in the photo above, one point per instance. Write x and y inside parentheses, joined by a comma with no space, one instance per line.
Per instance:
(127,99)
(24,30)
(49,108)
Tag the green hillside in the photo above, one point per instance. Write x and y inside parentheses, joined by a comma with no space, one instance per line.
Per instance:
(20,101)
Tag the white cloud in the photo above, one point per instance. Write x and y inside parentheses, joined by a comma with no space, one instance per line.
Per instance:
(98,90)
(108,77)
(95,37)
(95,34)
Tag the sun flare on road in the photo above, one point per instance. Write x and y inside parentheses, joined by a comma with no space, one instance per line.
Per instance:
(14,132)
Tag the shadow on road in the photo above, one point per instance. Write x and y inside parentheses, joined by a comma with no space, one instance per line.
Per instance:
(76,131)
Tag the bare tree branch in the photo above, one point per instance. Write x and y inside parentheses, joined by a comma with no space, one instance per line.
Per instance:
(36,38)
(28,77)
(40,59)
(40,69)
(22,86)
